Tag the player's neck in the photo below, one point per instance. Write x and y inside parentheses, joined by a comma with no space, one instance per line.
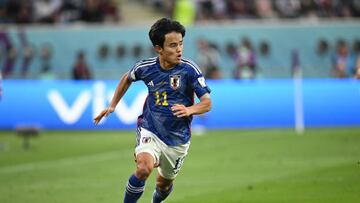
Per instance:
(165,64)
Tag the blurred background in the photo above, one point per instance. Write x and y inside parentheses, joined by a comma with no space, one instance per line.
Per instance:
(285,87)
(240,39)
(69,54)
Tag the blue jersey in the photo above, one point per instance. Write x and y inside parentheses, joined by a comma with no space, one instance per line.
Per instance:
(166,88)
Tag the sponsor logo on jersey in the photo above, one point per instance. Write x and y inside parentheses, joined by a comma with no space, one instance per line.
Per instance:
(151,84)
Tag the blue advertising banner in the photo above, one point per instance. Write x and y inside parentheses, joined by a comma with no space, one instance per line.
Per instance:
(236,104)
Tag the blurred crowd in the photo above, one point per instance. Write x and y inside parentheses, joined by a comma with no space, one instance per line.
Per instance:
(249,59)
(253,9)
(346,60)
(97,11)
(58,11)
(343,58)
(25,60)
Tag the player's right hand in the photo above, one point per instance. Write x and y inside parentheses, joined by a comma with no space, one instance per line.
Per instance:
(103,113)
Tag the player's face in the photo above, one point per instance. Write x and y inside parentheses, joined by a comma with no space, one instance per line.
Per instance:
(171,51)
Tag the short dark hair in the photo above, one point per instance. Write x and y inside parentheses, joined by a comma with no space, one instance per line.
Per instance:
(162,27)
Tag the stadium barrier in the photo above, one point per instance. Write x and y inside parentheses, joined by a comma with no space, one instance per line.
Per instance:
(236,104)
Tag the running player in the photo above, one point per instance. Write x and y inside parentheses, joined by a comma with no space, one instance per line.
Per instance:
(163,133)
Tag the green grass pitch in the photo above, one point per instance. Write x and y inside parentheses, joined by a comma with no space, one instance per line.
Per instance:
(244,166)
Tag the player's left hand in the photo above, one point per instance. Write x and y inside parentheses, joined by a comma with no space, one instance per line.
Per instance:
(180,110)
(105,113)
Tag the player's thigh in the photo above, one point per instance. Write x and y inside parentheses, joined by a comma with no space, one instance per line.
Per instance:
(145,145)
(171,160)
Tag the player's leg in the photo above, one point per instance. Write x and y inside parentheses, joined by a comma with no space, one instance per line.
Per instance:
(146,158)
(163,189)
(171,161)
(144,165)
(136,184)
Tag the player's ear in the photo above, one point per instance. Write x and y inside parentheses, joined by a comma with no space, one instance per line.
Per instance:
(158,49)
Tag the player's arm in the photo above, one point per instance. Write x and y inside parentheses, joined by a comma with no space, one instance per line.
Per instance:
(121,89)
(202,107)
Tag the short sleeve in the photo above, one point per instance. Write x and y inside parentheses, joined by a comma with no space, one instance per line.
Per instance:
(197,80)
(134,72)
(200,86)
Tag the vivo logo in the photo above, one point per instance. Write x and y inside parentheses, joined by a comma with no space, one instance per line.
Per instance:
(70,113)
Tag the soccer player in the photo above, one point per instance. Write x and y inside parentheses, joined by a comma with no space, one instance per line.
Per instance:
(163,133)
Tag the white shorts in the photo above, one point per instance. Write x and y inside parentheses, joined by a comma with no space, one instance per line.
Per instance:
(169,159)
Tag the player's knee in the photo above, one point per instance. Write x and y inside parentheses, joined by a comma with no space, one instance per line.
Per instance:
(143,171)
(163,185)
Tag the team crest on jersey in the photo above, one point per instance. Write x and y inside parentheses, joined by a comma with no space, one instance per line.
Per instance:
(175,81)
